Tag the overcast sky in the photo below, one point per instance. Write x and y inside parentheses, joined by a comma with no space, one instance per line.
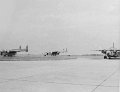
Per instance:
(46,25)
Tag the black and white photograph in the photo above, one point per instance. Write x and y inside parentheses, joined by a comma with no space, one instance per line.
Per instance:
(59,45)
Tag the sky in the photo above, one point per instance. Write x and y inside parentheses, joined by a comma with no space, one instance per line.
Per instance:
(48,25)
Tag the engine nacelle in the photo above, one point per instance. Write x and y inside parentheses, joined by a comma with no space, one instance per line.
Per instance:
(104,51)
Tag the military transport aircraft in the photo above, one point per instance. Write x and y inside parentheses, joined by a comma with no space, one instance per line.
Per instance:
(13,52)
(55,53)
(110,53)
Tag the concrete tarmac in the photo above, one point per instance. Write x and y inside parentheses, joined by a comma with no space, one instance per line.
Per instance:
(75,75)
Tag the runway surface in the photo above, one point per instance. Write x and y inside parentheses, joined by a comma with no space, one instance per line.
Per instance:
(70,75)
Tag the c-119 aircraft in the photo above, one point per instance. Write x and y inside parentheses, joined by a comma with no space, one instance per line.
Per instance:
(55,53)
(110,53)
(13,52)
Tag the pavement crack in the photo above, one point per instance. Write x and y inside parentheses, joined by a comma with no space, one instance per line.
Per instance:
(104,80)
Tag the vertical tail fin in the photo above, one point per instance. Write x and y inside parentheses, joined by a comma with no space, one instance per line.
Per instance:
(20,47)
(27,48)
(66,50)
(113,44)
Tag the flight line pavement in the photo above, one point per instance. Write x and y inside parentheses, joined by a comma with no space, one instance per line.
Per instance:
(75,75)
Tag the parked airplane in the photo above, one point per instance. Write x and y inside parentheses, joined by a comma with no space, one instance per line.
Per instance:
(13,52)
(55,53)
(110,53)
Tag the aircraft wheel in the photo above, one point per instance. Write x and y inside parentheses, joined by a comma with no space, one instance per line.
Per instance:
(109,57)
(105,57)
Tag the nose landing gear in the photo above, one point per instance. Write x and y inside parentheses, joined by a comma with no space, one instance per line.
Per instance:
(105,57)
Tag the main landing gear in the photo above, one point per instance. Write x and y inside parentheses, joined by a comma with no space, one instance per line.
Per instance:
(105,57)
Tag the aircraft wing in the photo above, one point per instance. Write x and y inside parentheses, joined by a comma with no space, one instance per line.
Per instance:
(107,50)
(20,50)
(100,50)
(117,50)
(14,50)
